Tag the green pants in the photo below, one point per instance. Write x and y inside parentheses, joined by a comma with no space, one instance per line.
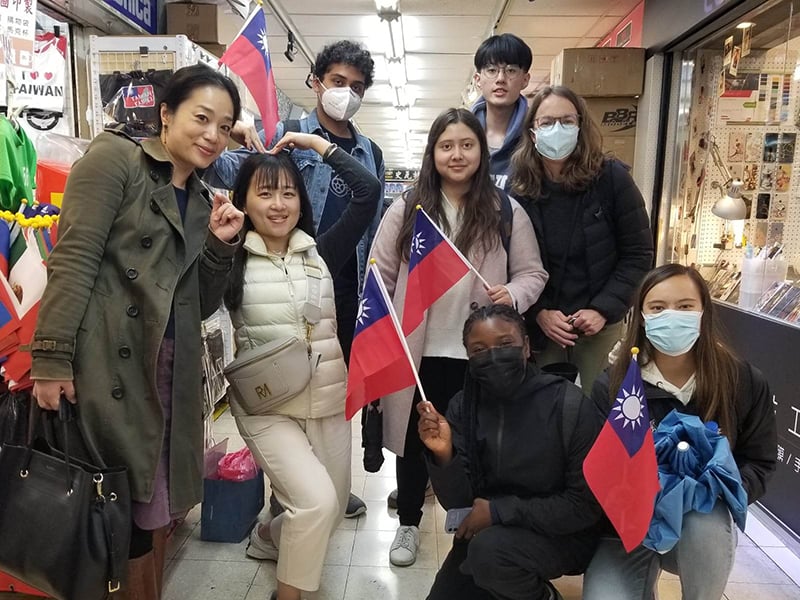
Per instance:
(589,354)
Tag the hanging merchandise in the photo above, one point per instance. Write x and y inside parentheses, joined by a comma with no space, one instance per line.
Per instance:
(130,98)
(40,91)
(18,24)
(26,239)
(17,165)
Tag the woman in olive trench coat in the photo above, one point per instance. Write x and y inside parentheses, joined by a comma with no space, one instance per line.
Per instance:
(141,241)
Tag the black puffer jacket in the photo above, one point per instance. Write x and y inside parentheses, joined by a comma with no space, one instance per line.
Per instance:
(619,244)
(754,447)
(525,473)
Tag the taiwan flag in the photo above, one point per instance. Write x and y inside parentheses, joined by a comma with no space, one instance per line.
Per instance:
(379,360)
(621,467)
(434,266)
(248,57)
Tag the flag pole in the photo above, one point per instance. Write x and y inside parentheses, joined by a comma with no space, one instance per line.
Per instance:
(455,249)
(635,354)
(396,323)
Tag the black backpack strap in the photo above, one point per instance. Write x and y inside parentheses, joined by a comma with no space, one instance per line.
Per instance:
(506,220)
(569,414)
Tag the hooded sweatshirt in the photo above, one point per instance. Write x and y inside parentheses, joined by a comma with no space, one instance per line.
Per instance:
(500,159)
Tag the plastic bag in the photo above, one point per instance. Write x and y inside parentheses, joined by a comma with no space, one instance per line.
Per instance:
(237,466)
(372,436)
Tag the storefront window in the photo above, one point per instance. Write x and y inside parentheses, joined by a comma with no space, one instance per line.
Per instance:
(736,208)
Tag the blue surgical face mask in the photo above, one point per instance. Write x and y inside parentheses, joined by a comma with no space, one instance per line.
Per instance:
(557,141)
(673,332)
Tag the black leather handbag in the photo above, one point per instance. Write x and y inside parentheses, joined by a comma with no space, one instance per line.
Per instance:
(65,524)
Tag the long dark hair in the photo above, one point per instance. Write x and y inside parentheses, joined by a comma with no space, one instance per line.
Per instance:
(481,218)
(581,167)
(265,170)
(187,79)
(717,373)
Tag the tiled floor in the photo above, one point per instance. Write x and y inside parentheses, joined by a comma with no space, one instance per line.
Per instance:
(357,564)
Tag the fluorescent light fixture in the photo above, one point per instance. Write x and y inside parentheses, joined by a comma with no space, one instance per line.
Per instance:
(745,25)
(404,120)
(396,47)
(396,68)
(731,207)
(387,5)
(400,96)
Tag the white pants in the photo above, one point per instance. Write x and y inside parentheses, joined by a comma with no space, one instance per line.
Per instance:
(308,464)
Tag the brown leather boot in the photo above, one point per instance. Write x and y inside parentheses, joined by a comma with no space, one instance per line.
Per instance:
(142,581)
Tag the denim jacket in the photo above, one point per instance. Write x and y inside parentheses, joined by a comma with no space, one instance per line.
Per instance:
(316,176)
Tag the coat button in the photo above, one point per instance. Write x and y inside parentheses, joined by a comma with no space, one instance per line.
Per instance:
(125,352)
(131,273)
(132,310)
(146,241)
(154,175)
(117,393)
(154,207)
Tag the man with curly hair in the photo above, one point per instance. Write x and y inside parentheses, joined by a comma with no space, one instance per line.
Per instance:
(340,76)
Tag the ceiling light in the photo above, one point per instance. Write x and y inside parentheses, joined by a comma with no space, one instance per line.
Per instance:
(745,25)
(396,67)
(396,47)
(387,5)
(400,96)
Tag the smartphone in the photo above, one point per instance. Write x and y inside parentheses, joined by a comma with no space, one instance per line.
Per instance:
(454,518)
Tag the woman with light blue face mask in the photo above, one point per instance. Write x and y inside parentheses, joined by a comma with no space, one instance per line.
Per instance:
(592,228)
(686,367)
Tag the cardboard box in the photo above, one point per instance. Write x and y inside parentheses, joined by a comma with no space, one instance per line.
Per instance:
(216,49)
(199,22)
(600,71)
(617,119)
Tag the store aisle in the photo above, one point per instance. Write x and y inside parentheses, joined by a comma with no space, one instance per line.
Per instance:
(357,564)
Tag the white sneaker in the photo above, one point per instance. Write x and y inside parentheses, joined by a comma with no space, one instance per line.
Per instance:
(259,548)
(403,552)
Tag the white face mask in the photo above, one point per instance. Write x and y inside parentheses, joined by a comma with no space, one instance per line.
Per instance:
(340,103)
(557,141)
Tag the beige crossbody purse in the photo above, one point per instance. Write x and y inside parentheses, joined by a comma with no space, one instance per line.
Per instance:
(263,378)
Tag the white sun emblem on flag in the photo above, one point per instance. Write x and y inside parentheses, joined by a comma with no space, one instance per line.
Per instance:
(418,244)
(363,311)
(629,407)
(262,39)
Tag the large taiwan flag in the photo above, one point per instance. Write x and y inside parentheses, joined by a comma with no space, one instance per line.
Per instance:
(379,360)
(248,57)
(621,467)
(434,266)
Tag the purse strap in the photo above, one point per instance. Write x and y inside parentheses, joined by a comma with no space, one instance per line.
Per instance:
(312,309)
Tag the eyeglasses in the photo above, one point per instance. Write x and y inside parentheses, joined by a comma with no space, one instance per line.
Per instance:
(566,120)
(492,71)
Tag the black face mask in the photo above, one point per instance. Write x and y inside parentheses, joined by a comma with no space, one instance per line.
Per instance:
(499,371)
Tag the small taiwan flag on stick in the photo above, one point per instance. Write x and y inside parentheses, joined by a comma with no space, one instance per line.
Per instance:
(621,467)
(248,57)
(380,362)
(434,266)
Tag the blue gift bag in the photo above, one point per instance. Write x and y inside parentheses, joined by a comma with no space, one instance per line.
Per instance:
(230,508)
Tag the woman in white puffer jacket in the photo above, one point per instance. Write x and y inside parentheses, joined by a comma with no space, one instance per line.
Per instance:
(304,445)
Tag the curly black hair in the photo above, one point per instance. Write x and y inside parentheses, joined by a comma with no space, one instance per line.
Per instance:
(348,53)
(501,311)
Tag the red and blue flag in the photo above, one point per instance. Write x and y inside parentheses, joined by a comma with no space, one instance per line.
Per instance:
(434,266)
(248,57)
(380,363)
(621,467)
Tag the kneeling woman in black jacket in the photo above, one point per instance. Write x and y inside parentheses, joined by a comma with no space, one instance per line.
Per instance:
(512,450)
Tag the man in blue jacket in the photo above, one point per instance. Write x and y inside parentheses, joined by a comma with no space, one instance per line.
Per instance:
(502,63)
(342,73)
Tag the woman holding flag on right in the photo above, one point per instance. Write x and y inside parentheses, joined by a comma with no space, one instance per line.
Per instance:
(686,367)
(456,192)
